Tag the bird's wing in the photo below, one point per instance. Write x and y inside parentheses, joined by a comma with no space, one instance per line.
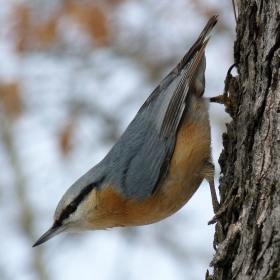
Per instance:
(152,134)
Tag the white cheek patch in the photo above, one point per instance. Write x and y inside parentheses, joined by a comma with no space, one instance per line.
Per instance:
(77,222)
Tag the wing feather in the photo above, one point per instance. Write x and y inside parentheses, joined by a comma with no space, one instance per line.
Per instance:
(152,134)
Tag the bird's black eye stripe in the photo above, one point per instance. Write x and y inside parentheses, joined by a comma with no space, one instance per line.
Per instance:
(86,191)
(72,207)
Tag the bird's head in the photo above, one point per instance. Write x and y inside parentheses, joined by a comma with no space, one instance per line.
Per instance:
(75,208)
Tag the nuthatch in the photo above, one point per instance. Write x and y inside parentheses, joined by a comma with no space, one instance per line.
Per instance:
(157,164)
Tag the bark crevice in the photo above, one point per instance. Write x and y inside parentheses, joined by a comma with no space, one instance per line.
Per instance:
(248,223)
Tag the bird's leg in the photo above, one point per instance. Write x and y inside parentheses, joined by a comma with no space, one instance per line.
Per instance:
(215,203)
(225,97)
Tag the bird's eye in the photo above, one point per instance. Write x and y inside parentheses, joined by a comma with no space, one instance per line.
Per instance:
(71,207)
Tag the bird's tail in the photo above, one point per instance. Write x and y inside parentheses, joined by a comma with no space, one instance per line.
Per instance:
(198,44)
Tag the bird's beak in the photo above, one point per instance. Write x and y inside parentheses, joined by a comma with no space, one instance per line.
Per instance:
(52,232)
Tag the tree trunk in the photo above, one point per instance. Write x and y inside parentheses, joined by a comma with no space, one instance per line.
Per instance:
(248,223)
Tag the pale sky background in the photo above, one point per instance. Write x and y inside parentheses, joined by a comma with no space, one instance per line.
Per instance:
(85,89)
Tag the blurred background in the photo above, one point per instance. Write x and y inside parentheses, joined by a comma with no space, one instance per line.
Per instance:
(72,76)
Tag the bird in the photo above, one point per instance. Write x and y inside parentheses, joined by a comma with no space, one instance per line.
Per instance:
(156,165)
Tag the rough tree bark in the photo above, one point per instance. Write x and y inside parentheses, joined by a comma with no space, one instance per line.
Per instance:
(248,223)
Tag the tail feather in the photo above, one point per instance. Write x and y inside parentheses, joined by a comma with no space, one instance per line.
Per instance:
(198,44)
